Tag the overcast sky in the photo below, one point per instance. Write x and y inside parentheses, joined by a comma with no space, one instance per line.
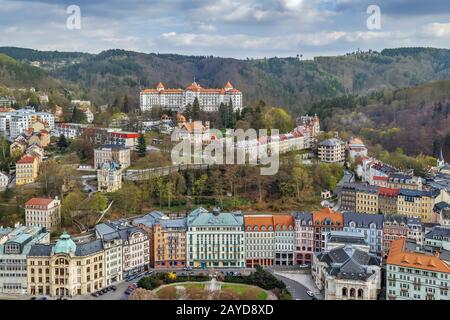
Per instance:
(229,28)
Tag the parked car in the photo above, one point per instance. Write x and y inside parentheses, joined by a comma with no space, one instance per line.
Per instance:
(100,293)
(113,288)
(94,294)
(33,298)
(309,293)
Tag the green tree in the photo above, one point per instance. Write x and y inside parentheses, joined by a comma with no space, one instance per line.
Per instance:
(62,143)
(126,105)
(196,111)
(141,148)
(78,116)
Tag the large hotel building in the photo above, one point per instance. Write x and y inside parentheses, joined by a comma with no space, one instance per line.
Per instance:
(177,99)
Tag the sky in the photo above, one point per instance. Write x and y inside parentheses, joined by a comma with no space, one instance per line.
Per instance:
(226,28)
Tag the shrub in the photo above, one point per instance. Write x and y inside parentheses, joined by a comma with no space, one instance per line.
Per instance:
(168,293)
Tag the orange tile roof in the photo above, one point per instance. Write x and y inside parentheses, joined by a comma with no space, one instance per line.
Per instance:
(283,220)
(388,192)
(328,213)
(38,202)
(258,220)
(26,159)
(400,257)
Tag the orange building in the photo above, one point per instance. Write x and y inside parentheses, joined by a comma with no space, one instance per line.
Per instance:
(324,221)
(169,243)
(413,274)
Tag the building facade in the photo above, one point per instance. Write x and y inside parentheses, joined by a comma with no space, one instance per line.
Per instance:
(368,225)
(66,269)
(109,177)
(14,248)
(215,239)
(347,273)
(324,221)
(413,274)
(259,240)
(284,227)
(177,99)
(304,238)
(27,170)
(112,153)
(42,212)
(331,151)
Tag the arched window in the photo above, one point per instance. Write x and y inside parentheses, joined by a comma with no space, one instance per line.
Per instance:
(352,292)
(255,228)
(344,292)
(360,293)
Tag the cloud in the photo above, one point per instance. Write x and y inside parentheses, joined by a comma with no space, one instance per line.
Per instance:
(437,30)
(237,28)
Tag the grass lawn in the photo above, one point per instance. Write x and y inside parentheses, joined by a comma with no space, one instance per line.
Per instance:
(241,289)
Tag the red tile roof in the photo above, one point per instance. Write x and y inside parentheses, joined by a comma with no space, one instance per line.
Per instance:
(26,159)
(38,202)
(388,192)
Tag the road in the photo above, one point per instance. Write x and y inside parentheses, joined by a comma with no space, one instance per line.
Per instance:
(297,290)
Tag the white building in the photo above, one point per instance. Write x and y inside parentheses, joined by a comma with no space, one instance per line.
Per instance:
(15,244)
(284,226)
(112,244)
(4,178)
(109,177)
(215,240)
(259,240)
(347,273)
(177,99)
(109,153)
(42,212)
(16,122)
(356,148)
(135,245)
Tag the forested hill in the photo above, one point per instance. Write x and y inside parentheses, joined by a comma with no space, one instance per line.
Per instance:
(287,82)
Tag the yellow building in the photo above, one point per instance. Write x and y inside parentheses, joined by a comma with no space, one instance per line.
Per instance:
(366,199)
(66,269)
(416,203)
(169,243)
(27,169)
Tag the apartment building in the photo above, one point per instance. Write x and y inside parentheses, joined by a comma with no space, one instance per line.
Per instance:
(43,212)
(169,239)
(324,221)
(112,153)
(415,274)
(331,151)
(15,245)
(27,170)
(259,240)
(109,177)
(135,245)
(284,227)
(366,198)
(304,238)
(368,225)
(416,203)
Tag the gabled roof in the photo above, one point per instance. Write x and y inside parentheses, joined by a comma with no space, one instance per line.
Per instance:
(363,220)
(39,202)
(400,255)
